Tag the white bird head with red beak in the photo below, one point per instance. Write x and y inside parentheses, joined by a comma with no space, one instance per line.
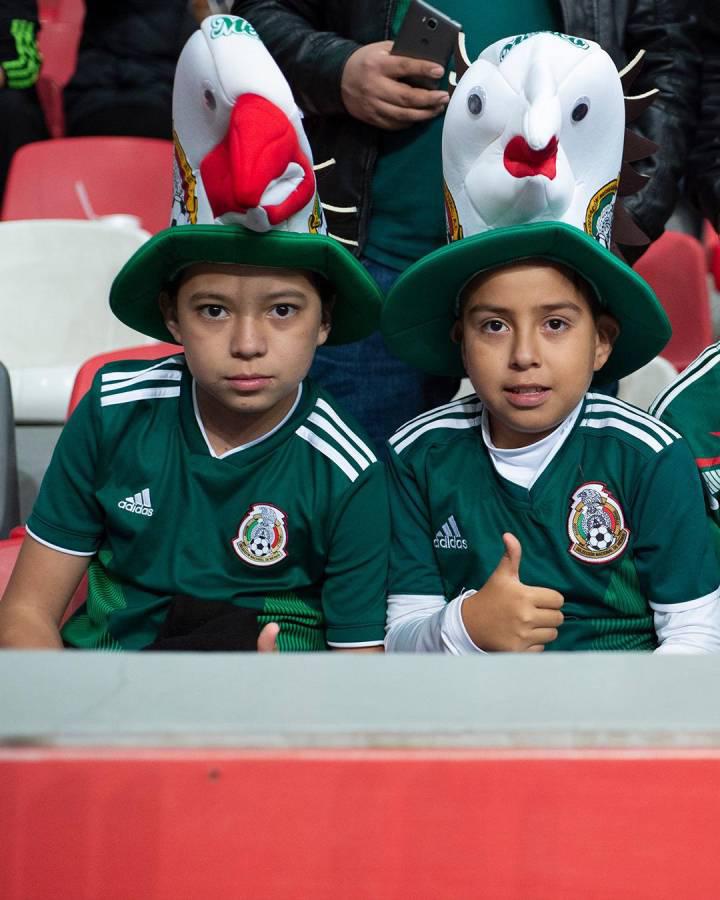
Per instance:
(534,132)
(241,153)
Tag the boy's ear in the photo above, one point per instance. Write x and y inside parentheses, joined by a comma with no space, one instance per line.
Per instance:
(607,330)
(323,332)
(168,308)
(326,312)
(456,336)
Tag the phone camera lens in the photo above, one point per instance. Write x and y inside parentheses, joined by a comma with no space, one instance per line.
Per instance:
(432,24)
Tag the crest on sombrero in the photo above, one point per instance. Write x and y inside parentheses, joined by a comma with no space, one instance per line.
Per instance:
(244,188)
(535,156)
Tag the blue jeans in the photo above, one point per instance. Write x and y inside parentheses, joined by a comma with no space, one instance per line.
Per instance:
(375,387)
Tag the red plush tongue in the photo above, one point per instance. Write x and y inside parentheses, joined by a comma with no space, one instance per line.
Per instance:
(258,147)
(521,160)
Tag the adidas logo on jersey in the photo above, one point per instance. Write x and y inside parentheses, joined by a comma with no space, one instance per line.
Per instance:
(449,537)
(140,503)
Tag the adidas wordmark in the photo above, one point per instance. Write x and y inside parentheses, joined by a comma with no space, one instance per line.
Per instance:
(140,503)
(449,537)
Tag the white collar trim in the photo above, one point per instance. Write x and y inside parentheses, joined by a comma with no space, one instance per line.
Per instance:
(257,440)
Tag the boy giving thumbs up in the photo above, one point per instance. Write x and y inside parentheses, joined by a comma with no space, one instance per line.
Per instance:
(506,614)
(535,495)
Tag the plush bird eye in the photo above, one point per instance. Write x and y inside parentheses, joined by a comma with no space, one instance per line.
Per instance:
(476,101)
(581,109)
(209,98)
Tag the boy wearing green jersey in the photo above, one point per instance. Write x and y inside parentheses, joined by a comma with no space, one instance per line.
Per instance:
(690,405)
(536,513)
(221,479)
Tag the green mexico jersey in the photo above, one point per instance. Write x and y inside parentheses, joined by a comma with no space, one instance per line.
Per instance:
(691,405)
(294,525)
(614,522)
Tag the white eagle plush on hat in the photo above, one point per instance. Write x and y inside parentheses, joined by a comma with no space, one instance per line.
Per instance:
(241,153)
(534,132)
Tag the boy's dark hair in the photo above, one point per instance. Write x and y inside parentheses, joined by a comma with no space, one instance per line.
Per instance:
(326,291)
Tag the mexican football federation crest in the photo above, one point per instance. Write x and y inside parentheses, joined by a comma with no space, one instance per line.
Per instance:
(262,536)
(599,214)
(596,525)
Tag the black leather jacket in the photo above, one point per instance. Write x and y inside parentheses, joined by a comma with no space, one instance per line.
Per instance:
(704,163)
(127,53)
(312,40)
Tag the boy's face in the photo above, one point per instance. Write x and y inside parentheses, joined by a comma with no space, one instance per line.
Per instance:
(530,346)
(249,334)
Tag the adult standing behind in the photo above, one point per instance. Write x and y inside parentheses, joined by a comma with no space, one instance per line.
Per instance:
(126,64)
(385,139)
(21,116)
(703,171)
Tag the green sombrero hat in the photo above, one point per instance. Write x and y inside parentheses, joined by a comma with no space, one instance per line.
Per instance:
(420,309)
(516,153)
(244,188)
(135,291)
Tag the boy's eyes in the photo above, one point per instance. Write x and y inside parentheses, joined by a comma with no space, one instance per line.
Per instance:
(497,326)
(213,311)
(283,311)
(493,326)
(556,324)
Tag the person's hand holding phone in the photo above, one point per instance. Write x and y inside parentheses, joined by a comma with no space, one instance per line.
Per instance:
(374,88)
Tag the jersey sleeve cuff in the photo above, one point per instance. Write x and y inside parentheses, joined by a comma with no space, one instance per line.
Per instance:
(355,635)
(60,539)
(684,605)
(454,634)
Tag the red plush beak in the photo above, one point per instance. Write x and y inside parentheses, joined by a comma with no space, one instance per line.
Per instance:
(259,145)
(521,161)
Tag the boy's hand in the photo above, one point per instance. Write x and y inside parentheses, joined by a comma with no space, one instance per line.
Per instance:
(267,639)
(506,614)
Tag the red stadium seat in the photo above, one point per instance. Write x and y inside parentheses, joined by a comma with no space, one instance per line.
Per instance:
(58,42)
(711,241)
(70,11)
(87,371)
(675,268)
(88,177)
(51,101)
(9,550)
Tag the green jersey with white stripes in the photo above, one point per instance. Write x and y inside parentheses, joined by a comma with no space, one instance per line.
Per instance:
(614,522)
(691,405)
(294,524)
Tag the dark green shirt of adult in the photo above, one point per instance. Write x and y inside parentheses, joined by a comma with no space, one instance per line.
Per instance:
(407,219)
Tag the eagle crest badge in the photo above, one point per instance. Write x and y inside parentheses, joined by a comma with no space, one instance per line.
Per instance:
(596,525)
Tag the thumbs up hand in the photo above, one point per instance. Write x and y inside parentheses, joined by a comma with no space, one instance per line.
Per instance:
(506,614)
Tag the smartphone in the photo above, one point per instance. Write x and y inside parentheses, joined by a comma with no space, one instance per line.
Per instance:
(426,33)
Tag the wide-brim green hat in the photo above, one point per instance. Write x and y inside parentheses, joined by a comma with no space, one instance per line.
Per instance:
(421,307)
(137,287)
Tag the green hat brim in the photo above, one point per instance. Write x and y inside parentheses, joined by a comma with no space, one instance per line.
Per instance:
(137,287)
(420,309)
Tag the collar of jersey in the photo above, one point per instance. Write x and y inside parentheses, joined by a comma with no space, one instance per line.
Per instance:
(532,497)
(240,456)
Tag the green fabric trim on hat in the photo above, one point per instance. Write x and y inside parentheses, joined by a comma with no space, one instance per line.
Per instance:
(135,291)
(420,308)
